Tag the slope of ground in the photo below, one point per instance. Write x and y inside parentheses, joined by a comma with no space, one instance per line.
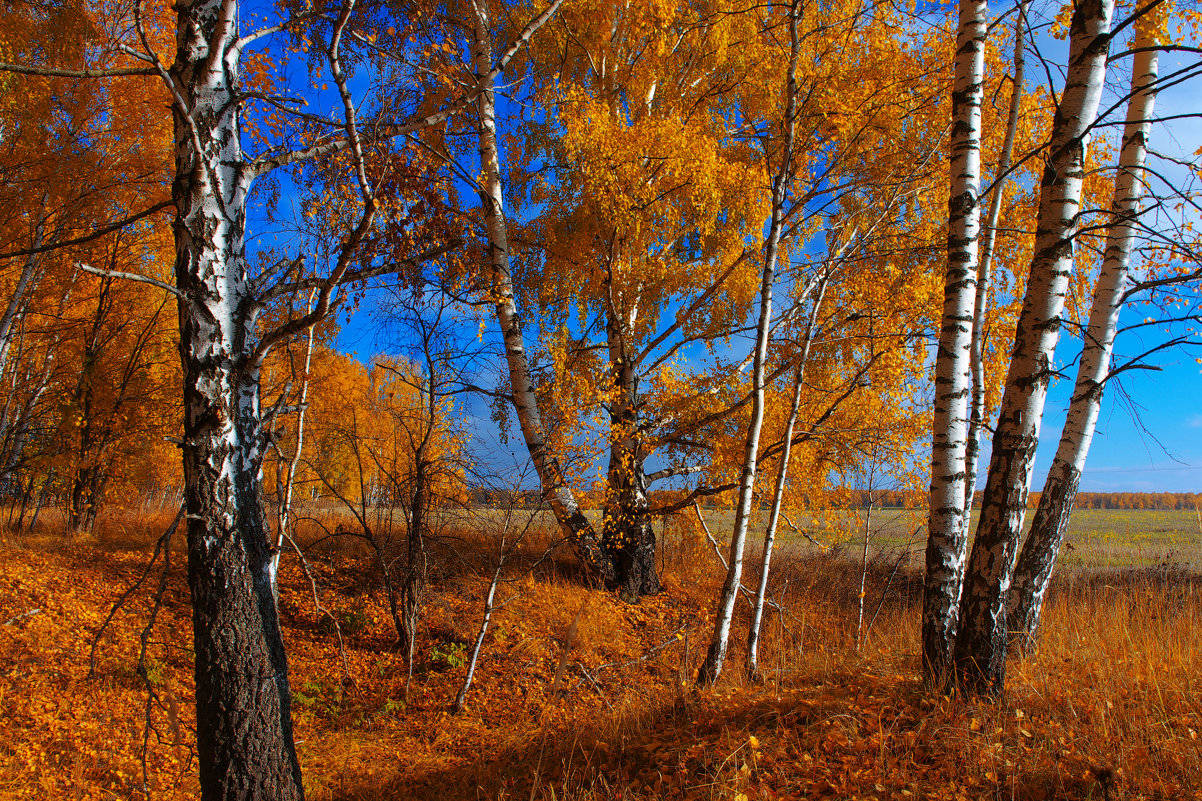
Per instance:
(1109,708)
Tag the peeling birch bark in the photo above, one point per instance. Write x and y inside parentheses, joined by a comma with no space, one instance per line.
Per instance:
(947,538)
(1037,560)
(980,654)
(245,744)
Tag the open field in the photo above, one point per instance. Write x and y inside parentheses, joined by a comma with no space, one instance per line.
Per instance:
(1108,708)
(1097,538)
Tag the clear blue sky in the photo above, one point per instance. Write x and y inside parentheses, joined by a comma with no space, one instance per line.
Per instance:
(1149,435)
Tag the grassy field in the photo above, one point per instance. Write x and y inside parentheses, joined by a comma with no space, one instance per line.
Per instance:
(1097,538)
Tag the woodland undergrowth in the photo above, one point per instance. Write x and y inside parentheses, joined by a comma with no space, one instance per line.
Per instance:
(1107,708)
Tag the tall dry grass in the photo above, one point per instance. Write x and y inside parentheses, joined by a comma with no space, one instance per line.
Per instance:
(1107,708)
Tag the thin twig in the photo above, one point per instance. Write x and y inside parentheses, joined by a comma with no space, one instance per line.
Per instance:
(347,680)
(20,617)
(802,532)
(158,548)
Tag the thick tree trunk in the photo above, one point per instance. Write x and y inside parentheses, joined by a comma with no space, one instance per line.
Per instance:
(976,421)
(1038,557)
(628,536)
(551,476)
(711,669)
(980,655)
(947,538)
(245,745)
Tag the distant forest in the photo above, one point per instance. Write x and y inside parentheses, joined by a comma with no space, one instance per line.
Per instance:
(1085,500)
(906,499)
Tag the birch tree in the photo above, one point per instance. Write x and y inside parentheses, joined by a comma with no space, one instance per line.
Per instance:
(778,492)
(947,540)
(1037,559)
(716,655)
(977,410)
(501,292)
(980,647)
(244,730)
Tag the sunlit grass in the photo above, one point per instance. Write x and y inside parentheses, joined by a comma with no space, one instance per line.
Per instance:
(1107,708)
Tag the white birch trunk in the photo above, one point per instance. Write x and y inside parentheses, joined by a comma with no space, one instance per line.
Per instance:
(1038,557)
(947,538)
(28,272)
(284,516)
(976,421)
(461,697)
(981,642)
(782,474)
(245,745)
(711,669)
(546,465)
(863,572)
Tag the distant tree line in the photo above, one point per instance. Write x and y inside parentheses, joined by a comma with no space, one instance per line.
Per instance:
(906,499)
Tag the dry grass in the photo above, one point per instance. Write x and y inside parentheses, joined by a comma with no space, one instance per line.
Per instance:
(1108,708)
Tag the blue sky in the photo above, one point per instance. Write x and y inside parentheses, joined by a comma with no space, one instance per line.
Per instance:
(1149,436)
(1161,451)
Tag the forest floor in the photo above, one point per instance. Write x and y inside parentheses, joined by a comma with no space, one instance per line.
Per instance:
(1109,708)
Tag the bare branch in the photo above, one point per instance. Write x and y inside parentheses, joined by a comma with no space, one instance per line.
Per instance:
(381,131)
(50,72)
(142,279)
(108,229)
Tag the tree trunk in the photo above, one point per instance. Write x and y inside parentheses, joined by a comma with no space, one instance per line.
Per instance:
(243,717)
(1038,557)
(17,299)
(414,588)
(551,476)
(711,669)
(628,536)
(778,494)
(980,655)
(286,478)
(947,539)
(976,421)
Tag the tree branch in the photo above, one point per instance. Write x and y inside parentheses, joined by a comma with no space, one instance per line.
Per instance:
(142,279)
(50,72)
(108,229)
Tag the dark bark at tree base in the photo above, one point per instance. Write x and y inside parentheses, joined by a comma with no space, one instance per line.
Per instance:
(1037,560)
(243,698)
(979,658)
(633,557)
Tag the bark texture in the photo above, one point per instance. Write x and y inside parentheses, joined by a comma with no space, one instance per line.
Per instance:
(947,535)
(980,654)
(976,417)
(244,728)
(1038,557)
